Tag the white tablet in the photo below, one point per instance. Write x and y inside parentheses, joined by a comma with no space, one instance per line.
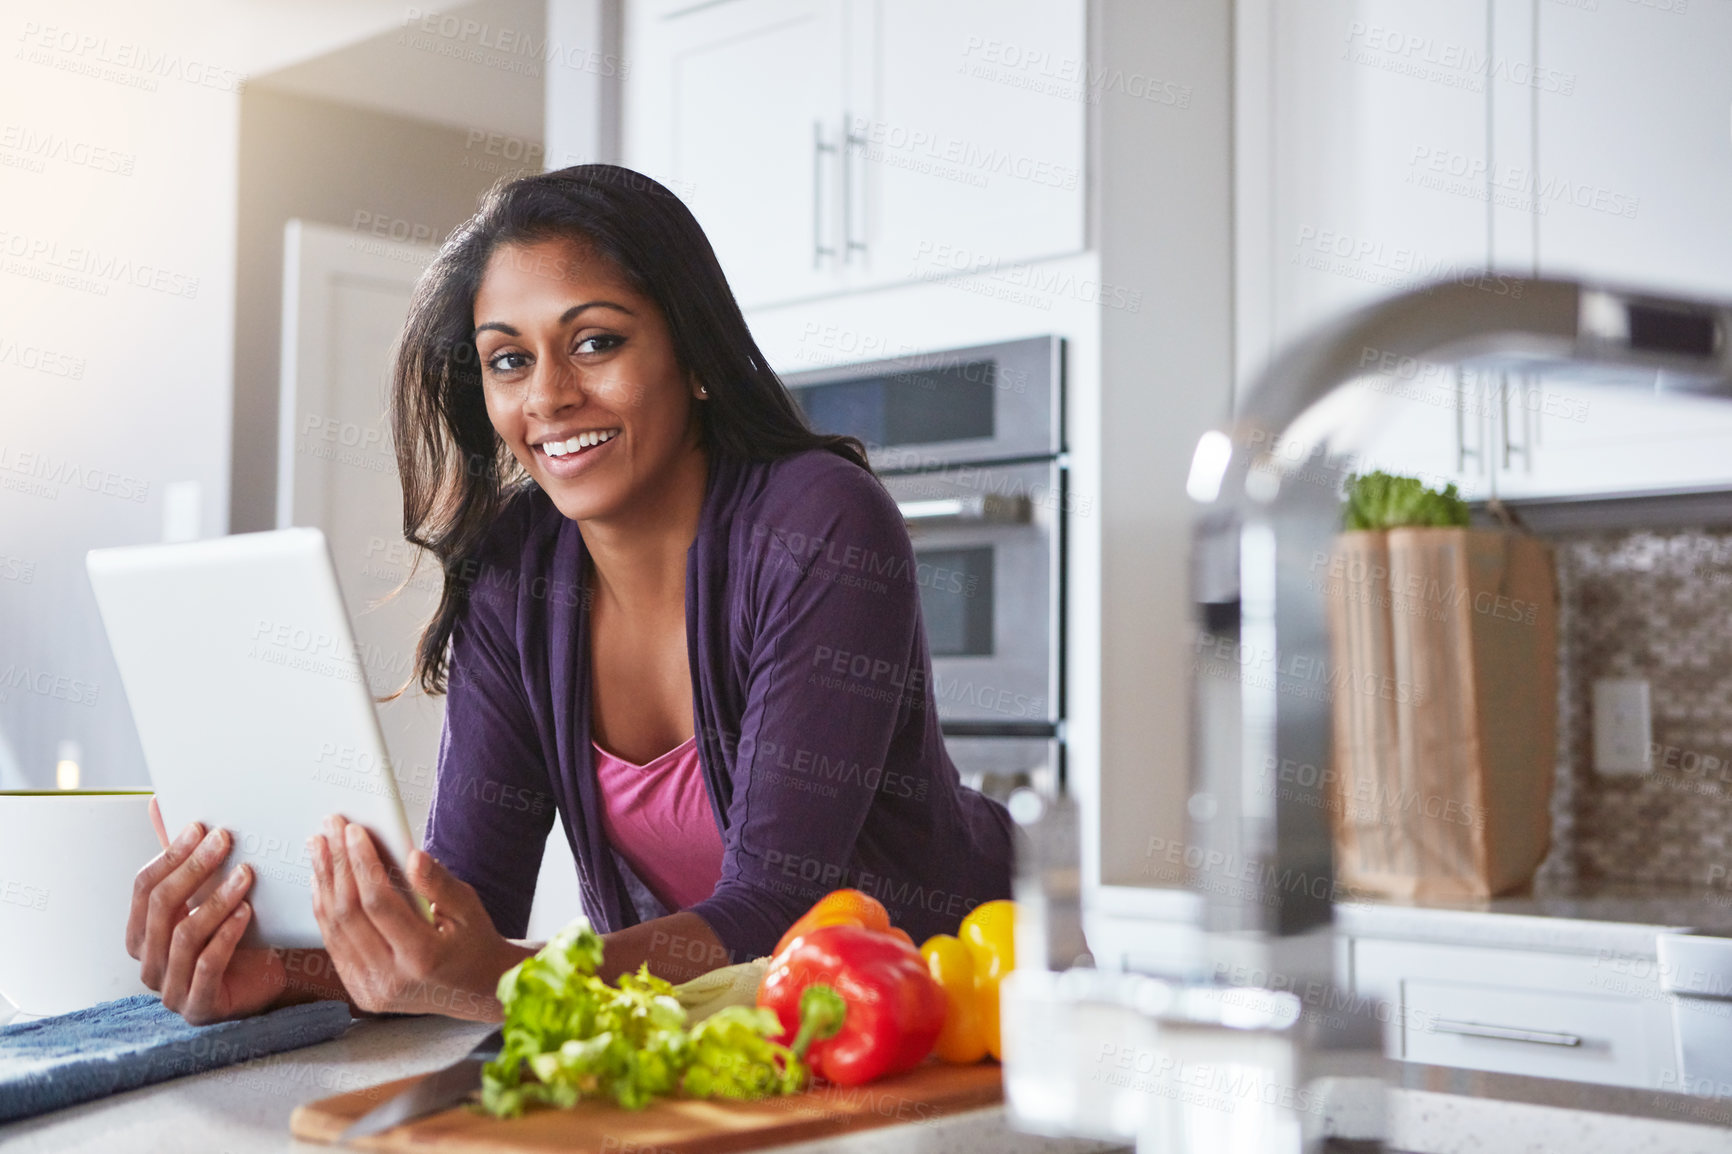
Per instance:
(252,705)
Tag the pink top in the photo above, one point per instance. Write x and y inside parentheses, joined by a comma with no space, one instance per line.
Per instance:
(658,817)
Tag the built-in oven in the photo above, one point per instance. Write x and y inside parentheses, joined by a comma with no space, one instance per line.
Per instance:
(970,443)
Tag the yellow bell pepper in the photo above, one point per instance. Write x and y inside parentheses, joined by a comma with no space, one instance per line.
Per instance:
(988,932)
(961,1042)
(969,969)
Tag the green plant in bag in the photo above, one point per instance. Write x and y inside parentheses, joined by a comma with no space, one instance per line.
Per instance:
(1379,500)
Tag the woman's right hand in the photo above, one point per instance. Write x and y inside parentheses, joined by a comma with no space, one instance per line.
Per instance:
(184,930)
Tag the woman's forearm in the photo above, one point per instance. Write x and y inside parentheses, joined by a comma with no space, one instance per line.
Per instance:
(678,947)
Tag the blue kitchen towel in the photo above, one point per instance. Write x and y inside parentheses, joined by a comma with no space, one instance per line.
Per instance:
(130,1042)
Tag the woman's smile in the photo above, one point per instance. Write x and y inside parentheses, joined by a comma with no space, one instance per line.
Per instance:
(566,456)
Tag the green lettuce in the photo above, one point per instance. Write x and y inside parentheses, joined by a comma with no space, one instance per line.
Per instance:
(568,1036)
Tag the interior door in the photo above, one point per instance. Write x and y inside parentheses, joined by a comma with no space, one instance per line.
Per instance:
(345,298)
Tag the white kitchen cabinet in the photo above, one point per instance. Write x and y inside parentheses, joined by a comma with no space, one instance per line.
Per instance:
(1630,184)
(1363,123)
(1579,1017)
(1577,435)
(833,145)
(1400,141)
(1364,136)
(738,108)
(1434,423)
(1557,434)
(1632,172)
(973,157)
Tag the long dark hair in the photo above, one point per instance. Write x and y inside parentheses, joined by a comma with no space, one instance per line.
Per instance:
(458,475)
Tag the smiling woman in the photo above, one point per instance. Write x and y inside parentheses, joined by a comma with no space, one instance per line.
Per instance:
(728,722)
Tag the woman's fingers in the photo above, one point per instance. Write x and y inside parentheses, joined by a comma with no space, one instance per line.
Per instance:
(391,911)
(331,927)
(455,900)
(166,905)
(189,939)
(345,897)
(204,998)
(354,942)
(144,884)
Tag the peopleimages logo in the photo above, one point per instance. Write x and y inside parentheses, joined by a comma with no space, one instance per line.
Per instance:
(121,61)
(42,146)
(37,359)
(1446,62)
(87,268)
(41,682)
(40,473)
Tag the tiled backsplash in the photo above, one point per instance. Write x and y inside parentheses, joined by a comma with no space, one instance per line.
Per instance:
(1653,605)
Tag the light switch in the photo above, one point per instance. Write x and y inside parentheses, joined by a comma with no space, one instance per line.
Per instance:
(1623,727)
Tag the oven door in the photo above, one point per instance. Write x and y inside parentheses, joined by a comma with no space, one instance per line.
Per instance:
(987,551)
(928,410)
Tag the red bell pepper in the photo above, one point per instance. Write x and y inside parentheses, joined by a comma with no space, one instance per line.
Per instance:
(858,1004)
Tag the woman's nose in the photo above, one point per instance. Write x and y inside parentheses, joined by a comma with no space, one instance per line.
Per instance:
(553,386)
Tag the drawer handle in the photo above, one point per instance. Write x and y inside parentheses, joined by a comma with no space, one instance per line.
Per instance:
(1503,1033)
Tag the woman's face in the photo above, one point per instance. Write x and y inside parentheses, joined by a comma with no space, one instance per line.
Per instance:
(576,361)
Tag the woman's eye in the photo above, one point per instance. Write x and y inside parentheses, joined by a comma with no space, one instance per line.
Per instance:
(598,344)
(506,362)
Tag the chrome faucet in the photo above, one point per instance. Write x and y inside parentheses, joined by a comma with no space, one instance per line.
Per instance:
(1246,1043)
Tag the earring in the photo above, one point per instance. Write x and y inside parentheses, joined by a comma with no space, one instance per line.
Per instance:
(703,390)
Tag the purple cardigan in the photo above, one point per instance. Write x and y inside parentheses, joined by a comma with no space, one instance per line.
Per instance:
(811,696)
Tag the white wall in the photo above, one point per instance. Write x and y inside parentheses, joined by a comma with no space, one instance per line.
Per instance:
(1164,182)
(116,270)
(118,126)
(379,175)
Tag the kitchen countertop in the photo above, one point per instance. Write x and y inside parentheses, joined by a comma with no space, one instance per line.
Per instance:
(1431,1110)
(1440,1110)
(245,1108)
(1621,920)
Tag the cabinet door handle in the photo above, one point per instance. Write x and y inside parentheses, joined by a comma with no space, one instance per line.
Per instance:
(1503,1033)
(850,139)
(820,250)
(1525,450)
(1462,453)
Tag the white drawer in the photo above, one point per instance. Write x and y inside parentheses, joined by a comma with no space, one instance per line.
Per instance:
(1580,1037)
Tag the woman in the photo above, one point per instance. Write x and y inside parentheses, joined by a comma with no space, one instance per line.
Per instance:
(677,617)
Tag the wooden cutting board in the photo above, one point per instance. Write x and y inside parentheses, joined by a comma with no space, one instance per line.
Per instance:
(669,1125)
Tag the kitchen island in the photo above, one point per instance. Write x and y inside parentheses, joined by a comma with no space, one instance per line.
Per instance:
(245,1108)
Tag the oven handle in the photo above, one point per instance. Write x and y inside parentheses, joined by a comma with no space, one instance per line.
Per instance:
(978,509)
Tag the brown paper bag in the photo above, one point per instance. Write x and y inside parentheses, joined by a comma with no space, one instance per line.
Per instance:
(1445,709)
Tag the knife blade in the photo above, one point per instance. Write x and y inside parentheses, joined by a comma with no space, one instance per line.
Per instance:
(437,1091)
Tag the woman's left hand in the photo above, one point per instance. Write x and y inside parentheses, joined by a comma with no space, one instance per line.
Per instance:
(390,957)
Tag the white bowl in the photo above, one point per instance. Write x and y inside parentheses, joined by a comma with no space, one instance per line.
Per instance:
(67,863)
